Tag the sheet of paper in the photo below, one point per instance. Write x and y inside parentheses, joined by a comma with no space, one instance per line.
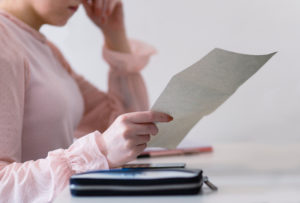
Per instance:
(199,90)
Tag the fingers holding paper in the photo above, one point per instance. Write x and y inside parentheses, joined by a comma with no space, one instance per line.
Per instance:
(129,134)
(148,117)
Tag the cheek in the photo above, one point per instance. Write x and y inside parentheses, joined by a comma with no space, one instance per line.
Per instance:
(53,13)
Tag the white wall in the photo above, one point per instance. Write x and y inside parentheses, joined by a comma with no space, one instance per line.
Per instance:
(264,109)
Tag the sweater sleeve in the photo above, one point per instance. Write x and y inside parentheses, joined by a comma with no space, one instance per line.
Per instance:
(126,87)
(43,179)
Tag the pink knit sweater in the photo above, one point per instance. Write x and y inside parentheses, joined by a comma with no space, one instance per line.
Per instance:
(44,104)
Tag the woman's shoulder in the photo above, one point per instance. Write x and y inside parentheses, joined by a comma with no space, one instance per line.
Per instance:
(13,65)
(12,61)
(5,33)
(6,40)
(8,46)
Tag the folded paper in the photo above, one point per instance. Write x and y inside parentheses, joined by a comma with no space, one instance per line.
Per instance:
(200,89)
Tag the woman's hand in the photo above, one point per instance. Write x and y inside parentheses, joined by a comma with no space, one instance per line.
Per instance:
(127,137)
(109,17)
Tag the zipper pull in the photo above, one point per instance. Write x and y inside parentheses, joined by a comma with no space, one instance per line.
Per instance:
(209,184)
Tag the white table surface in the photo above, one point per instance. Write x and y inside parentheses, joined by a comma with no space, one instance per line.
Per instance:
(243,172)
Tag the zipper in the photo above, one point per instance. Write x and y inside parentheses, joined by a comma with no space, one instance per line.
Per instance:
(209,184)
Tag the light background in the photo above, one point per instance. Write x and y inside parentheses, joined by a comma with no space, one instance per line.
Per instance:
(265,109)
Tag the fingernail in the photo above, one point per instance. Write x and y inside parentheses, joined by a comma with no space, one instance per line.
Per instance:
(170,118)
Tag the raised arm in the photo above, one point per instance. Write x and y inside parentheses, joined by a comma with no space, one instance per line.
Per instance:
(126,88)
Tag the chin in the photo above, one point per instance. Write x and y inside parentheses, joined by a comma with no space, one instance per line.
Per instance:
(59,22)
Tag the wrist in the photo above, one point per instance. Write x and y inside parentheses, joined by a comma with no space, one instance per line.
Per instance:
(101,144)
(117,41)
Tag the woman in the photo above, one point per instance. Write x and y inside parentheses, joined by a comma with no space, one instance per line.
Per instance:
(44,103)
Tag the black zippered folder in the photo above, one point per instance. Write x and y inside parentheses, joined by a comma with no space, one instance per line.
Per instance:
(135,181)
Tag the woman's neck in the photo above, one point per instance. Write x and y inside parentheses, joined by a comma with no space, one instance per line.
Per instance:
(23,12)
